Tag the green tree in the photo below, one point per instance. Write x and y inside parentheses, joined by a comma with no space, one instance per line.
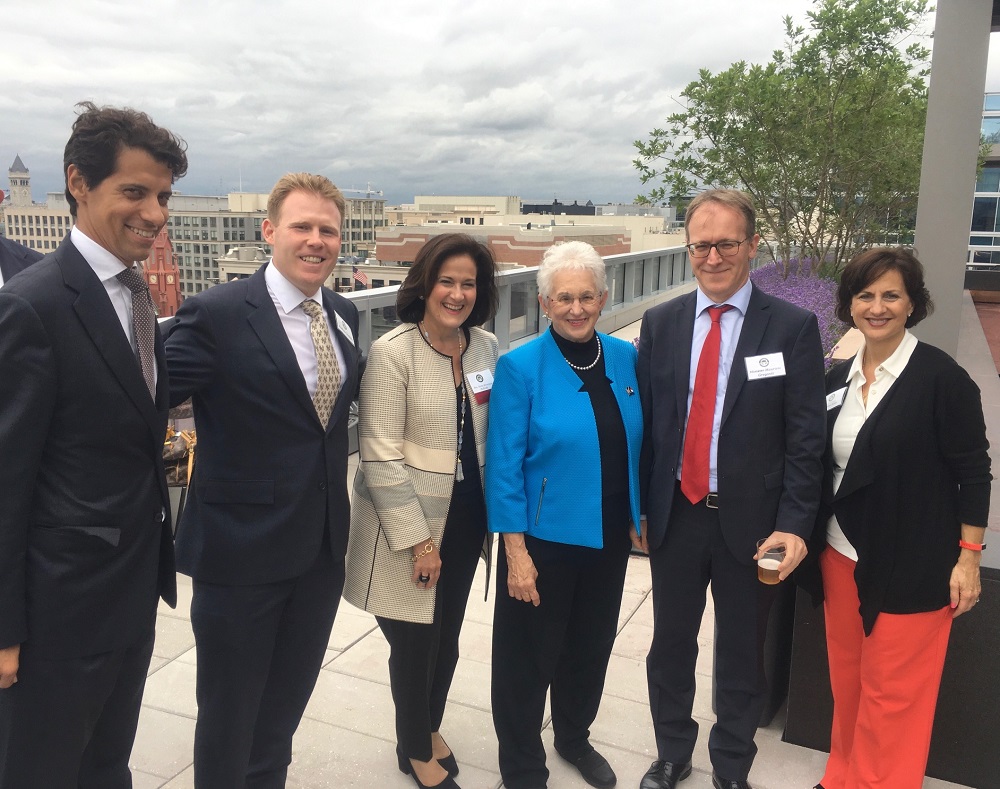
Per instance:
(826,138)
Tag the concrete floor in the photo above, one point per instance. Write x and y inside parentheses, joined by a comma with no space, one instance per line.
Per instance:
(346,738)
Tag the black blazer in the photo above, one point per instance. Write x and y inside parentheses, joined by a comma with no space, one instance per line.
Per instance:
(920,468)
(268,480)
(84,545)
(771,438)
(15,257)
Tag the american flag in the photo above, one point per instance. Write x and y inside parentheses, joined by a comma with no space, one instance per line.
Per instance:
(359,276)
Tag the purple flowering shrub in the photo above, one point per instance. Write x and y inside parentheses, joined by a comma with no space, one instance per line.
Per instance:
(806,288)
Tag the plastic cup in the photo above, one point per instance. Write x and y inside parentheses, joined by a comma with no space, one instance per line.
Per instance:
(767,564)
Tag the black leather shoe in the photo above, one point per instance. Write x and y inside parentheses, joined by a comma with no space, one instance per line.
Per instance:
(728,783)
(595,769)
(664,775)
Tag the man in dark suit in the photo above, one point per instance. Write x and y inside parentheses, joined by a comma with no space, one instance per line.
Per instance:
(14,258)
(733,402)
(85,543)
(272,365)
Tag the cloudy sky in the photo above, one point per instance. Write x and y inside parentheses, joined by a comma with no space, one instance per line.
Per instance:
(535,99)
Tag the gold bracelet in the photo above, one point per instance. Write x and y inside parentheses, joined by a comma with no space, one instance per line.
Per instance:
(428,548)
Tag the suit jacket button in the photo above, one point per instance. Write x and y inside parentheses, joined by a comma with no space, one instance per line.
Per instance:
(322,486)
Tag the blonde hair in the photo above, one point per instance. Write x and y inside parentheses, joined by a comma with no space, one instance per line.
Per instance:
(318,185)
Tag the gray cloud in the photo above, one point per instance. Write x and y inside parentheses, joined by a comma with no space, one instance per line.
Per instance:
(537,99)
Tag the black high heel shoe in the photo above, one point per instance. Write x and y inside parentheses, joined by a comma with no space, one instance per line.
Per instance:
(407,769)
(449,763)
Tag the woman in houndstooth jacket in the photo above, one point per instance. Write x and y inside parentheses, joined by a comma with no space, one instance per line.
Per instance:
(418,519)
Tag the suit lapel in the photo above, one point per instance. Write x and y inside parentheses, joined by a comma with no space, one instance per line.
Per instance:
(347,342)
(264,320)
(100,321)
(679,337)
(752,333)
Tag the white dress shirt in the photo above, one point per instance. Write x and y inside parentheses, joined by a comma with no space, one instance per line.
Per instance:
(288,302)
(730,325)
(107,267)
(852,418)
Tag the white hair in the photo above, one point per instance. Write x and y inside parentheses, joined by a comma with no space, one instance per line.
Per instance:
(571,256)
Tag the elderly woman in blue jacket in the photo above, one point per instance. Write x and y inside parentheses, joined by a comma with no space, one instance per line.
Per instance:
(562,488)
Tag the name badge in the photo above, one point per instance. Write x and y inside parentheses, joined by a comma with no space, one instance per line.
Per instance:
(835,399)
(770,365)
(344,329)
(480,383)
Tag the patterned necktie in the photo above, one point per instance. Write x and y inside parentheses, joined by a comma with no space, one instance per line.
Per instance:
(327,369)
(143,322)
(698,438)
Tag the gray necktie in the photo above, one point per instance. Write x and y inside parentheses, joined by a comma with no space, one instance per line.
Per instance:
(327,369)
(143,320)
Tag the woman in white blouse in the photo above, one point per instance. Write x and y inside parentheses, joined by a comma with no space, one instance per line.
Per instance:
(899,538)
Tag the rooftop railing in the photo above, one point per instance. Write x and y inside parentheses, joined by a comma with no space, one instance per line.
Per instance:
(636,281)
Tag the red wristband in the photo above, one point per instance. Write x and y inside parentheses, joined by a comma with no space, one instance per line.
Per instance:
(971,546)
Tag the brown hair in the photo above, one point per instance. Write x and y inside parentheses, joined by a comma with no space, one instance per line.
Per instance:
(871,264)
(423,274)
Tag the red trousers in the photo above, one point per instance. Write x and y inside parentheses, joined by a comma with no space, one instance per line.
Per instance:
(885,686)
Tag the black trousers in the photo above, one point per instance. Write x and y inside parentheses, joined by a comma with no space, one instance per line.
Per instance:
(694,554)
(70,724)
(260,649)
(423,657)
(565,643)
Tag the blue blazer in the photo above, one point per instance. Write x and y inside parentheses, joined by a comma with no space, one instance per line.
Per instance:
(269,479)
(543,461)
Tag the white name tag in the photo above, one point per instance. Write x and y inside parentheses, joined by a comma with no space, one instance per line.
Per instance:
(770,365)
(835,399)
(344,329)
(480,383)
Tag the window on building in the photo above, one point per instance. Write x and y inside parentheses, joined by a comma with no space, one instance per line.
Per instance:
(989,179)
(984,214)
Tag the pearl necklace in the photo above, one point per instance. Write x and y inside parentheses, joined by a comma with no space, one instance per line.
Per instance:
(592,364)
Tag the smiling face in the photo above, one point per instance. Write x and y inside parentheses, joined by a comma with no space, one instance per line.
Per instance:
(453,296)
(720,277)
(125,211)
(880,311)
(574,304)
(306,239)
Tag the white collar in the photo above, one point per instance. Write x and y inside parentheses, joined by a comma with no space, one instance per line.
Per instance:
(288,296)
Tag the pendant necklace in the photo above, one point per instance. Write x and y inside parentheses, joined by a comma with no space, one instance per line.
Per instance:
(459,473)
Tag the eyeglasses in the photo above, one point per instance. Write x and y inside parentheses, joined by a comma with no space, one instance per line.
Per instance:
(725,248)
(566,300)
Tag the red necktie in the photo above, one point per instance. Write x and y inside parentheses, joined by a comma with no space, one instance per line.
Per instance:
(698,438)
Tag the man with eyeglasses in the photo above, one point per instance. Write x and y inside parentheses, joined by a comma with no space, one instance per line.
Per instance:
(731,382)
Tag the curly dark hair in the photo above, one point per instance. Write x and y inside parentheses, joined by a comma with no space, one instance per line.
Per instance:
(100,133)
(423,274)
(871,264)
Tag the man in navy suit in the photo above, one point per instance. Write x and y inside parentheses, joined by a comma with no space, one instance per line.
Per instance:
(265,528)
(14,258)
(85,542)
(760,438)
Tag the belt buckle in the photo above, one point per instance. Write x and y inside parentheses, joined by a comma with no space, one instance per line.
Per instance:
(712,501)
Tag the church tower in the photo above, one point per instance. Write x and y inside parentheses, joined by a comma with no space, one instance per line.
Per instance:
(20,184)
